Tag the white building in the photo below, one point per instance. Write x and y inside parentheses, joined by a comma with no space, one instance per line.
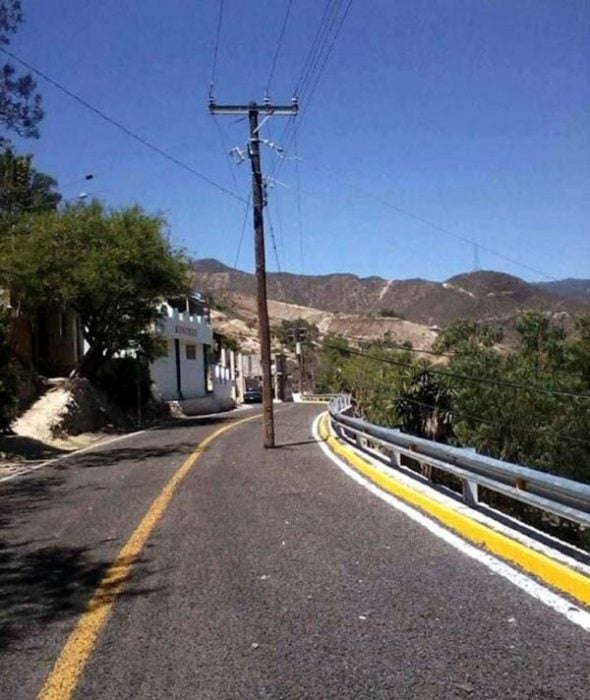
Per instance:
(182,374)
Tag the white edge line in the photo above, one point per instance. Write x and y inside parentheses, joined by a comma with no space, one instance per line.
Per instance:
(68,455)
(546,596)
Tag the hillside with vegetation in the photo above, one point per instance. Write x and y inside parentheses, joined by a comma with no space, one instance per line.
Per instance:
(484,296)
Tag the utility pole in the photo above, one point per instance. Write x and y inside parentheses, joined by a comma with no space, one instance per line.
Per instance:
(253,110)
(300,336)
(299,353)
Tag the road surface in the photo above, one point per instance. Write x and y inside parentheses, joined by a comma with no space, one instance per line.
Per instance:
(270,574)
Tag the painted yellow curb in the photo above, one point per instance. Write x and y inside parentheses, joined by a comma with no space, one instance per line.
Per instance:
(65,675)
(552,572)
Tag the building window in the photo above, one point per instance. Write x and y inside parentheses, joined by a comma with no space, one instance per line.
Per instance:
(191,352)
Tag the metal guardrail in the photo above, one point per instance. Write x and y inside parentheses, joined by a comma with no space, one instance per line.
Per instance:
(553,494)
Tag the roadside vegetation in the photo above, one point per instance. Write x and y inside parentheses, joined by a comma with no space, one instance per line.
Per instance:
(112,267)
(530,406)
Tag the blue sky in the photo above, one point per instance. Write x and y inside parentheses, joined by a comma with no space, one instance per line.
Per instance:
(469,114)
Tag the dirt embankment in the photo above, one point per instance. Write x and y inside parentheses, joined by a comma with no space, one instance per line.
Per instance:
(70,415)
(241,324)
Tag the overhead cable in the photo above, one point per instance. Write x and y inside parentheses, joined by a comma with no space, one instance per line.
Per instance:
(226,154)
(121,127)
(243,230)
(388,203)
(278,47)
(455,375)
(493,424)
(274,241)
(317,44)
(216,48)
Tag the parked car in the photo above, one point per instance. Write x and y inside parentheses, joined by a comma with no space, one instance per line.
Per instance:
(252,396)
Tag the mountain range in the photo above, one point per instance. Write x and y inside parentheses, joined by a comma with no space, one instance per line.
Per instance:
(485,296)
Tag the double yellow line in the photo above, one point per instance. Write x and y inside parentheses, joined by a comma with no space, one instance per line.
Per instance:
(64,677)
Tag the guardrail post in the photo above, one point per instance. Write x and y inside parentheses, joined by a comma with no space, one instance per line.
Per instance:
(337,429)
(395,459)
(470,492)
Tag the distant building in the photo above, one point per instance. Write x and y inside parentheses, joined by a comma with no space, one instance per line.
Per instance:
(182,373)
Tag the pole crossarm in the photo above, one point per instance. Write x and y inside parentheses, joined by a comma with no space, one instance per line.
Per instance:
(264,108)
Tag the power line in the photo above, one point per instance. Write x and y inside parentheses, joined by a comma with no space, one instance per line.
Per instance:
(275,200)
(315,49)
(310,72)
(216,49)
(436,227)
(454,375)
(317,44)
(274,241)
(326,57)
(278,46)
(508,299)
(242,232)
(121,127)
(494,424)
(397,346)
(225,150)
(299,215)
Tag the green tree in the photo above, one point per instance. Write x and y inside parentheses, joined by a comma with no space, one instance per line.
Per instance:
(112,267)
(540,339)
(288,333)
(333,358)
(424,407)
(23,189)
(20,103)
(527,424)
(462,332)
(577,352)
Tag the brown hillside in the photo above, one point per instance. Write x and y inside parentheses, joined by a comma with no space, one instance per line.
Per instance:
(484,296)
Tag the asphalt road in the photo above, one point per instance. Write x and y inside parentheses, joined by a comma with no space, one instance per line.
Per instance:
(270,575)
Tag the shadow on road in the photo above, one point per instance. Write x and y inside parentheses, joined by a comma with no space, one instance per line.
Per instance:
(40,582)
(118,455)
(27,448)
(217,419)
(38,586)
(298,444)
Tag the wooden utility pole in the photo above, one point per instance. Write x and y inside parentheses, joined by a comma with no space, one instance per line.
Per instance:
(253,110)
(299,353)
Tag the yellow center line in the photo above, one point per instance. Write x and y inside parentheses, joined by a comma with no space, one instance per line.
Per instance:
(63,679)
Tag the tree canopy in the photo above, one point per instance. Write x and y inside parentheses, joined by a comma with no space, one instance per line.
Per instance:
(289,333)
(112,267)
(24,189)
(20,103)
(467,399)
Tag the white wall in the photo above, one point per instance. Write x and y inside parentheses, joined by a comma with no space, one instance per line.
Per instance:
(222,383)
(188,330)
